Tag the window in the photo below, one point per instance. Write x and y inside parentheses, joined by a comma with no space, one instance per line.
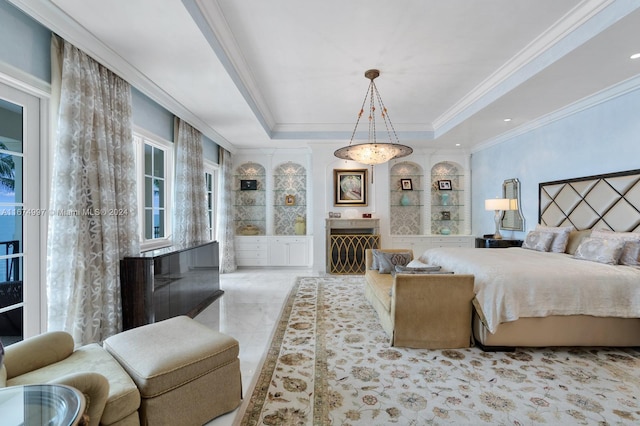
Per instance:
(211,188)
(21,216)
(155,186)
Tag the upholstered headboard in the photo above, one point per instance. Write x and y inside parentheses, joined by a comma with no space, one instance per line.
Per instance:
(610,201)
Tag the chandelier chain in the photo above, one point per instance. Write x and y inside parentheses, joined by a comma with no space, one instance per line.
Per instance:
(364,101)
(385,116)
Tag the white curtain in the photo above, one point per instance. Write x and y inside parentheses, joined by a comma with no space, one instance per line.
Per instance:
(226,230)
(93,206)
(190,211)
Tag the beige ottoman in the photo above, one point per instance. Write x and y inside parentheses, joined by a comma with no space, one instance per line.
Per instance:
(187,373)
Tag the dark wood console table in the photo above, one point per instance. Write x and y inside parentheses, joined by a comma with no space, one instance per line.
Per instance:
(168,282)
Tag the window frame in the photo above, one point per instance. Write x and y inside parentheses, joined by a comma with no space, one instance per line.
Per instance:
(140,139)
(212,169)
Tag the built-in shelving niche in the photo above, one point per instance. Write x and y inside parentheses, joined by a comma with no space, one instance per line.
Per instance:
(447,205)
(289,198)
(406,203)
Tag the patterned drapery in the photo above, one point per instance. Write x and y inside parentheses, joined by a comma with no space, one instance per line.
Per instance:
(226,230)
(190,211)
(93,206)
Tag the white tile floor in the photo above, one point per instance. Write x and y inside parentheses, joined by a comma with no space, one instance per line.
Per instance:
(248,311)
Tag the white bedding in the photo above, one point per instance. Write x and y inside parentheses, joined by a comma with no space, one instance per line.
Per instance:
(513,282)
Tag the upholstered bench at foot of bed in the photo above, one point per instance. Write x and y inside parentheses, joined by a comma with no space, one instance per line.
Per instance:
(187,373)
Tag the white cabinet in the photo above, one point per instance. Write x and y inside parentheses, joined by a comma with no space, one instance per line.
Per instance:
(272,251)
(419,244)
(289,251)
(453,241)
(252,251)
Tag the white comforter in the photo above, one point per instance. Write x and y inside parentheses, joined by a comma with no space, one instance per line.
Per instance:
(515,282)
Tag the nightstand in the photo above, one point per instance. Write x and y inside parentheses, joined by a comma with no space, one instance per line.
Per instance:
(487,242)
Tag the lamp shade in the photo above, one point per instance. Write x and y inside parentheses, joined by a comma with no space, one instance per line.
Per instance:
(497,204)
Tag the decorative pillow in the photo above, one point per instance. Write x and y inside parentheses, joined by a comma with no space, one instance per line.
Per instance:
(539,241)
(575,238)
(416,263)
(425,268)
(560,236)
(600,250)
(387,261)
(631,251)
(374,262)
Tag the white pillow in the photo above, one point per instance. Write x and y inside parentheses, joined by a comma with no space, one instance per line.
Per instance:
(631,251)
(560,236)
(415,263)
(600,250)
(539,241)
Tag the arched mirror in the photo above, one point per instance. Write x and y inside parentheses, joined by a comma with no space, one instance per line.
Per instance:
(512,220)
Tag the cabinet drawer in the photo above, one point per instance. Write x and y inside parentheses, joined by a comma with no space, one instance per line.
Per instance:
(251,262)
(251,247)
(251,254)
(290,240)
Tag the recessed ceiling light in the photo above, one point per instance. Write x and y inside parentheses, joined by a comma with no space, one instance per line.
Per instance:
(635,56)
(507,119)
(457,144)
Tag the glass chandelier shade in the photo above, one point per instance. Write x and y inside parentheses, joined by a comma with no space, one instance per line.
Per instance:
(374,152)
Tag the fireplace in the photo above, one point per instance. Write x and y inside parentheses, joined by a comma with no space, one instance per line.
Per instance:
(347,240)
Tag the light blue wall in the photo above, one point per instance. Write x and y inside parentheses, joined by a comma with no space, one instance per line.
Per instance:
(602,139)
(151,116)
(24,43)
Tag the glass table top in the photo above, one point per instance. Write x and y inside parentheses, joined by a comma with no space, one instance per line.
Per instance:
(51,405)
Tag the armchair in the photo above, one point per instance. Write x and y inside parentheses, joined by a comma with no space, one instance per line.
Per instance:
(112,396)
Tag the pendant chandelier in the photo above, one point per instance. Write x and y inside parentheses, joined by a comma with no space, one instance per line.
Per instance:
(374,152)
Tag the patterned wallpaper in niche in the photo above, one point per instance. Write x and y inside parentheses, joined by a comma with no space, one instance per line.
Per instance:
(289,179)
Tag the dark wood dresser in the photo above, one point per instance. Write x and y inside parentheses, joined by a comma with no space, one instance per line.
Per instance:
(168,282)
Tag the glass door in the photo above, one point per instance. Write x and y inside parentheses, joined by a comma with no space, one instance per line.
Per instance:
(20,215)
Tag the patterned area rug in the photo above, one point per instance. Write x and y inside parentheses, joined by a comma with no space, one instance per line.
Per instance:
(330,363)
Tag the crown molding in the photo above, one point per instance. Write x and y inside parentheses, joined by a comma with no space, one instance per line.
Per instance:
(54,18)
(537,55)
(216,30)
(608,94)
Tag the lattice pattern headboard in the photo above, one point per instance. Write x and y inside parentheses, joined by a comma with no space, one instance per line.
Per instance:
(610,201)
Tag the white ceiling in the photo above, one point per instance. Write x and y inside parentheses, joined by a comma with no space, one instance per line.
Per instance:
(285,73)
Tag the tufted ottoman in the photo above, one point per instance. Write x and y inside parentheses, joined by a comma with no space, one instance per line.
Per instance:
(187,373)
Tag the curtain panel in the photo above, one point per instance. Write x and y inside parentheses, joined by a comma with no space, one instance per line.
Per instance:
(190,205)
(226,229)
(93,196)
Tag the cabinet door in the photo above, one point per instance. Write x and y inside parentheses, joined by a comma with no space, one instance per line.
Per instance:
(279,252)
(289,252)
(298,253)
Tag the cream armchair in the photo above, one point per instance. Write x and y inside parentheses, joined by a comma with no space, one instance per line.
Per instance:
(112,397)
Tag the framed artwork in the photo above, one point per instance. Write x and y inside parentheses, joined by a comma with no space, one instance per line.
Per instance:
(289,200)
(350,187)
(248,184)
(444,185)
(406,184)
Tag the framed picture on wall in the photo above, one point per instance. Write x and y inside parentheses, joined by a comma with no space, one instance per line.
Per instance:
(444,185)
(406,184)
(248,184)
(350,187)
(289,200)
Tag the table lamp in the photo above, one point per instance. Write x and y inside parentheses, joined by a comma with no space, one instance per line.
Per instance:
(497,205)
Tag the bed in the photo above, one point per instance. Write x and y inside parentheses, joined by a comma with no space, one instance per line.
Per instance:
(526,297)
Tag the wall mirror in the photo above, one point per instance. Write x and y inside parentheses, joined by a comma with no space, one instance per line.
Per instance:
(512,220)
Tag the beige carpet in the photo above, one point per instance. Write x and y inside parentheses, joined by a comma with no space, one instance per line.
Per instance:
(330,364)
